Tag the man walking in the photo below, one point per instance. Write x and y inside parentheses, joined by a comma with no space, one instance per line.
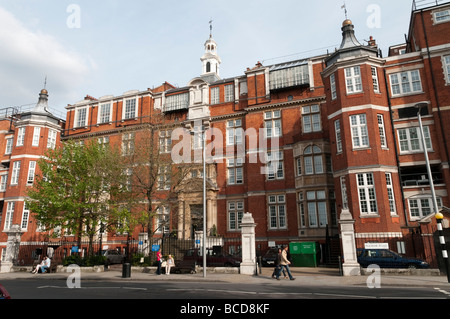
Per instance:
(284,264)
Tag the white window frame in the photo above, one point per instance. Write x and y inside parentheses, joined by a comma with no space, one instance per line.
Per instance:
(51,140)
(441,16)
(405,83)
(104,113)
(163,220)
(419,208)
(298,166)
(31,172)
(302,210)
(446,66)
(276,157)
(316,203)
(353,82)
(337,130)
(128,112)
(235,132)
(333,86)
(367,194)
(382,130)
(81,117)
(360,134)
(235,171)
(273,124)
(3,182)
(36,136)
(20,136)
(229,92)
(164,177)
(215,95)
(128,143)
(405,141)
(277,211)
(311,118)
(235,212)
(313,160)
(25,217)
(390,191)
(15,173)
(103,141)
(376,85)
(9,145)
(9,215)
(165,141)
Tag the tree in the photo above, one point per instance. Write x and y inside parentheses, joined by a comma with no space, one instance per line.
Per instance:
(77,188)
(154,177)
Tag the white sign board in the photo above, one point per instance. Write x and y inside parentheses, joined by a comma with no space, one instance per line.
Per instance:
(376,246)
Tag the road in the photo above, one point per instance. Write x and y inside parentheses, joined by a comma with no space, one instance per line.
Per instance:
(267,298)
(57,289)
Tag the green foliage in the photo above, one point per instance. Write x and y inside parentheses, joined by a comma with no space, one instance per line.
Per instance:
(77,187)
(136,260)
(88,261)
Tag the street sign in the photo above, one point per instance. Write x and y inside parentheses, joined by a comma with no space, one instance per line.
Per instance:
(376,245)
(155,247)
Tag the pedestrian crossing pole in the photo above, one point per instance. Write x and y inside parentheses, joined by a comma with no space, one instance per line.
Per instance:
(439,218)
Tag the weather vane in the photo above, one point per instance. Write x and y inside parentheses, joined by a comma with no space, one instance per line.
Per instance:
(210,27)
(45,83)
(345,10)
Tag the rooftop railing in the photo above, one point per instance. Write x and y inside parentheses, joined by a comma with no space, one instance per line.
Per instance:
(422,4)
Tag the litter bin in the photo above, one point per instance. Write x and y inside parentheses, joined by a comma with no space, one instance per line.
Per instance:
(303,254)
(126,270)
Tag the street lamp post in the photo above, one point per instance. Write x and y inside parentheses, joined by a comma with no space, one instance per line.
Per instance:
(427,161)
(203,135)
(204,201)
(438,215)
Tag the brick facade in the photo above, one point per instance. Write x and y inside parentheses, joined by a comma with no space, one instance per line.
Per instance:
(347,130)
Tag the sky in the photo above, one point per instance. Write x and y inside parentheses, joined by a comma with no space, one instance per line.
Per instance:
(108,47)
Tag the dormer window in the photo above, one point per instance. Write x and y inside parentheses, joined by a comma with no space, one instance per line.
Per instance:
(130,109)
(442,16)
(81,117)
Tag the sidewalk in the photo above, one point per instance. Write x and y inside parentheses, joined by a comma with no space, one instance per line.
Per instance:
(304,276)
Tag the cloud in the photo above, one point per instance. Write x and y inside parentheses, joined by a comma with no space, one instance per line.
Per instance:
(28,56)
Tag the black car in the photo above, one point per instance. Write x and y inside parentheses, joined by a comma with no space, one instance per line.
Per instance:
(386,258)
(269,258)
(213,258)
(113,256)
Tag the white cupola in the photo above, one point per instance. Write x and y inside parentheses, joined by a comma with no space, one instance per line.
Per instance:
(210,60)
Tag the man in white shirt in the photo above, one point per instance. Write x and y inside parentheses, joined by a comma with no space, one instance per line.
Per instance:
(43,266)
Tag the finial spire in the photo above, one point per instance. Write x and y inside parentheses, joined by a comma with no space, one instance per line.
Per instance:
(45,83)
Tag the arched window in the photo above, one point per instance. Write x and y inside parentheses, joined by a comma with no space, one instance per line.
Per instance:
(313,160)
(208,67)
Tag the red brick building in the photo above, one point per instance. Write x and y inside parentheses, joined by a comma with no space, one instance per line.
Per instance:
(25,137)
(347,129)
